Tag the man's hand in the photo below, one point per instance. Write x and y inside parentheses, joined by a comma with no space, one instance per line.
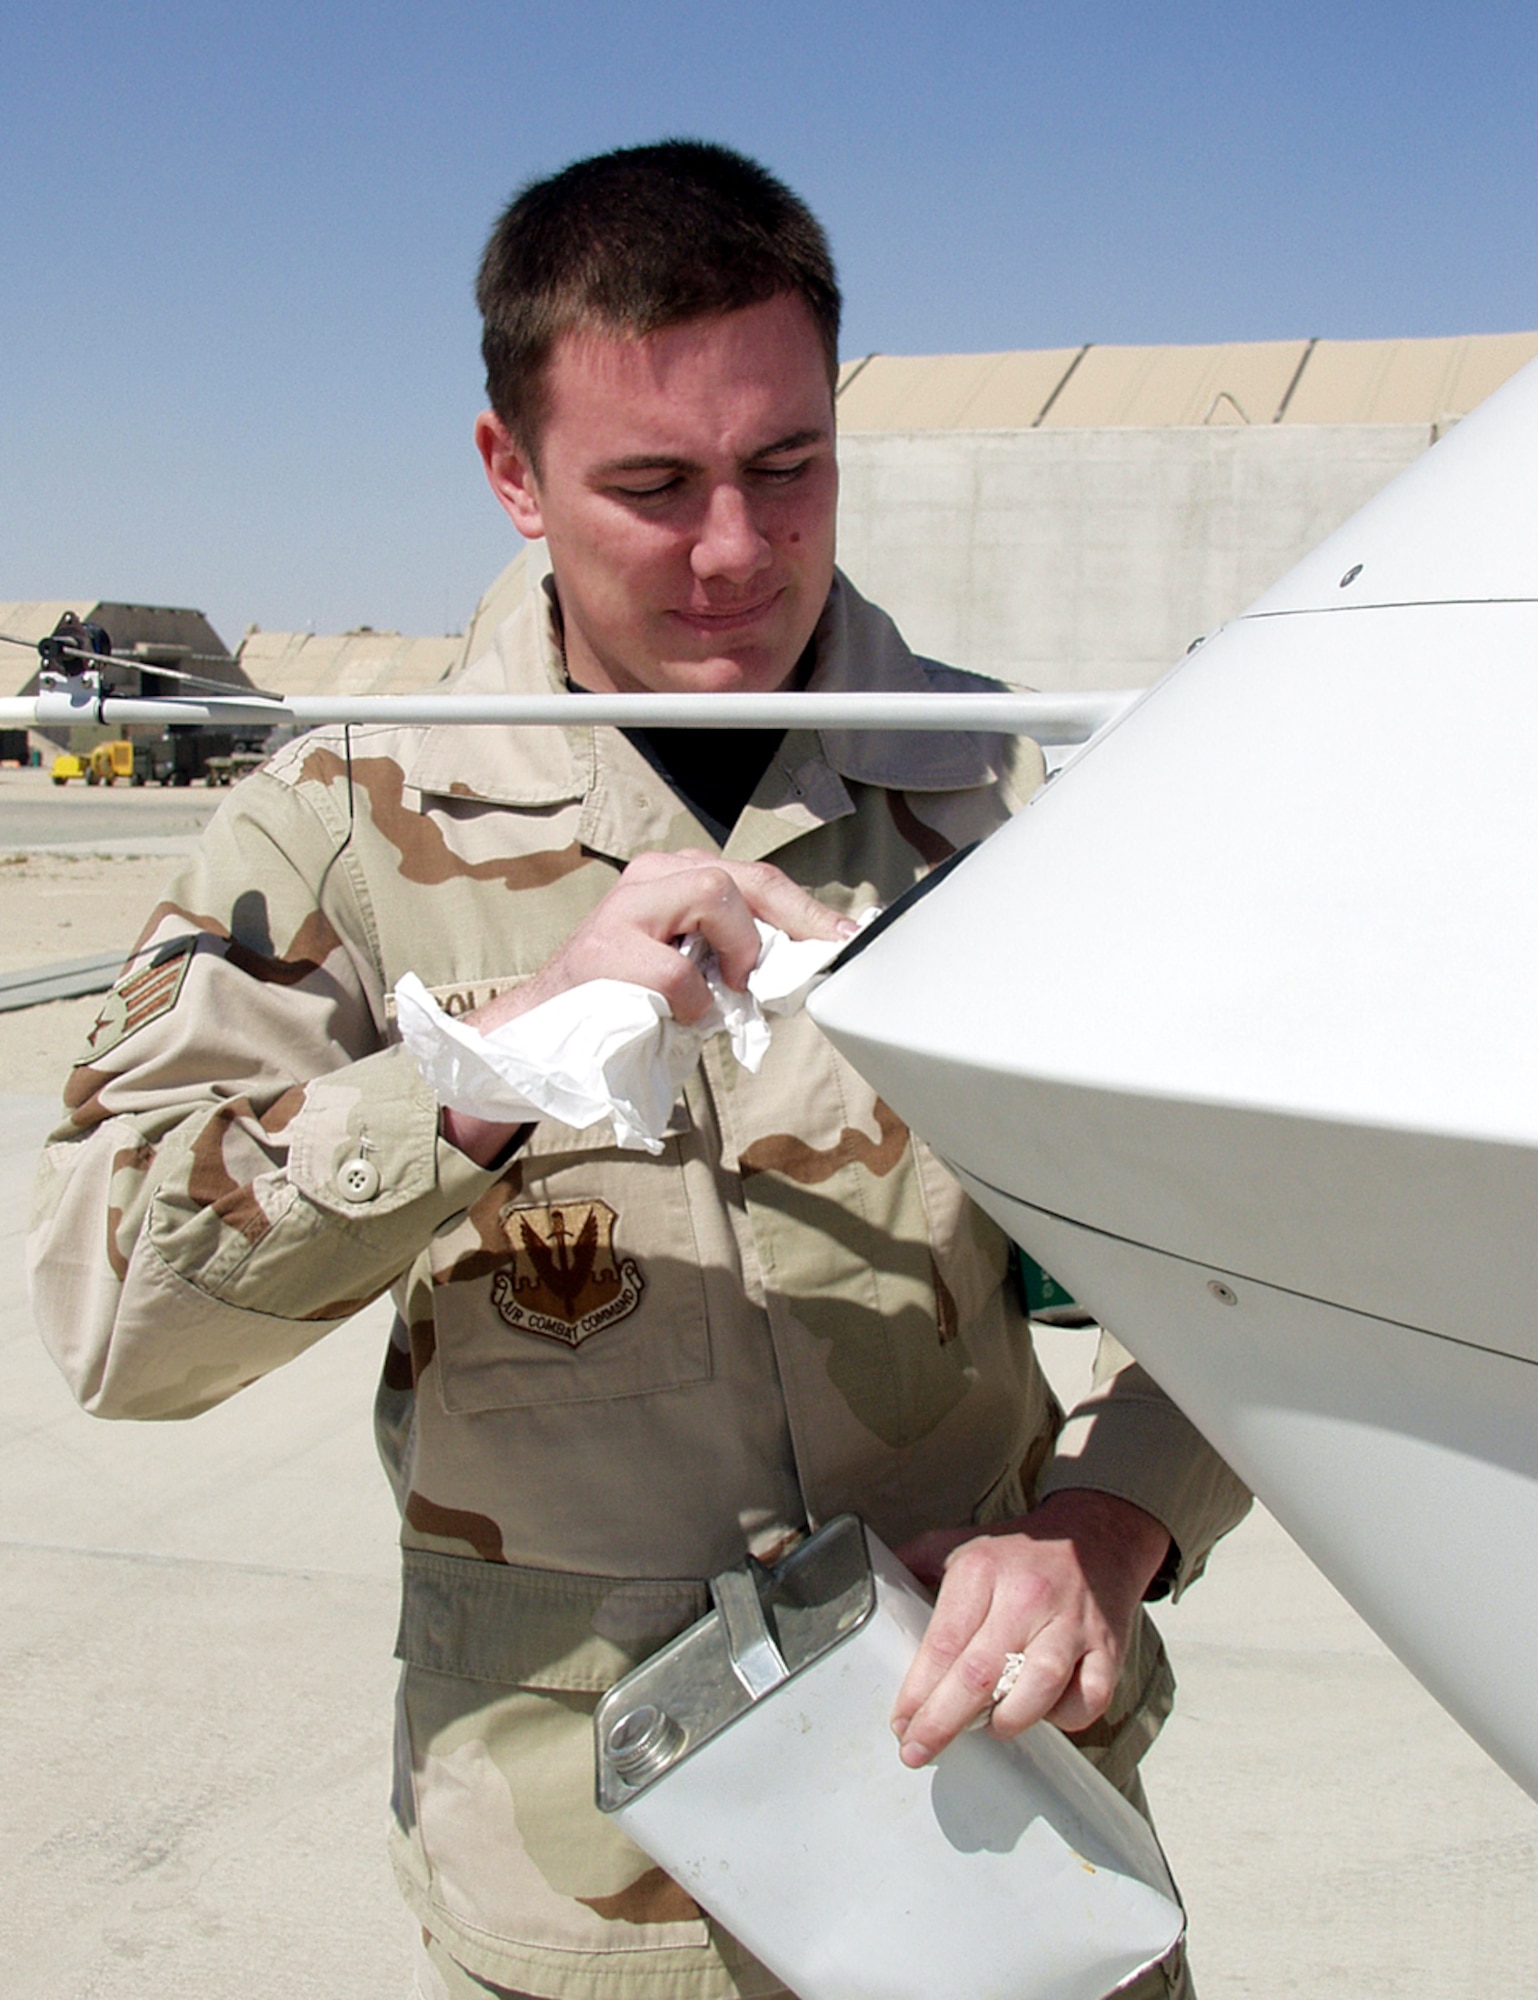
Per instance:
(659,899)
(1060,1585)
(632,935)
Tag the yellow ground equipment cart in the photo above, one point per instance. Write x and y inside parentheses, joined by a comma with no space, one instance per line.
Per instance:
(109,762)
(102,766)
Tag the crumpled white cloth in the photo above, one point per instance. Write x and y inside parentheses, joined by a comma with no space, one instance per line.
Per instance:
(606,1050)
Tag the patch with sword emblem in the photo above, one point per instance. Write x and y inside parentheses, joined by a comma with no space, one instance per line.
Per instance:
(565,1281)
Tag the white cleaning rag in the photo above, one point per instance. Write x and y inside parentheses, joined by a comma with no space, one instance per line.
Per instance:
(607,1049)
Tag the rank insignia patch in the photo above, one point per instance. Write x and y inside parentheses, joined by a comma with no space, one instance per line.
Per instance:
(140,998)
(565,1280)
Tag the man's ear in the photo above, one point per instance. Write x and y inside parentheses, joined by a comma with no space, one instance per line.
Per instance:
(509,474)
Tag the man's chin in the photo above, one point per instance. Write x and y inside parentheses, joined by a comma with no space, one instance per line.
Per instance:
(754,673)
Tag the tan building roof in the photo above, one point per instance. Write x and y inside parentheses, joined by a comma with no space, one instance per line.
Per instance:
(1405,381)
(949,392)
(1241,382)
(361,662)
(1155,387)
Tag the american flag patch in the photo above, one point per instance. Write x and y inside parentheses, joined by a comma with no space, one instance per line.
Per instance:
(142,997)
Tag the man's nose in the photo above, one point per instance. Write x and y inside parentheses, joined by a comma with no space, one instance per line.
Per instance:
(730,543)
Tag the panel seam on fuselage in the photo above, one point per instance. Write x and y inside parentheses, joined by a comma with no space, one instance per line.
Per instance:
(1243,1277)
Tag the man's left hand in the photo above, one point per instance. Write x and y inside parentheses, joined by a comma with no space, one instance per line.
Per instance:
(1060,1585)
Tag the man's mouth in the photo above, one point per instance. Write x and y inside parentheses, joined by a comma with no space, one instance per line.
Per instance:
(715,622)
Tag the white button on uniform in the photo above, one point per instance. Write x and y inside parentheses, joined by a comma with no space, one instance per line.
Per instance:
(358,1179)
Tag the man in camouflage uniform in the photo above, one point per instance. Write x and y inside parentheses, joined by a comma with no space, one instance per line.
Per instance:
(612,1374)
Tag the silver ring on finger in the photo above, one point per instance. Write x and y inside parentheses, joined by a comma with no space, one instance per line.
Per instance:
(1009,1673)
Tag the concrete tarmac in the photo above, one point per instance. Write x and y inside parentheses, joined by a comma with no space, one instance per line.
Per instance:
(196,1625)
(39,817)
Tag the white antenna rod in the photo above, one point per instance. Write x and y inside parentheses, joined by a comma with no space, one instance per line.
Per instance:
(1050,718)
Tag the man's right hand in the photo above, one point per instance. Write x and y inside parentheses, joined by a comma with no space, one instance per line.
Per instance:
(633,935)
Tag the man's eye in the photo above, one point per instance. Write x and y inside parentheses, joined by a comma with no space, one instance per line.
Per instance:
(782,475)
(658,490)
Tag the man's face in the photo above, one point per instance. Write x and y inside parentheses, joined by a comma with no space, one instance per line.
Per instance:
(687,488)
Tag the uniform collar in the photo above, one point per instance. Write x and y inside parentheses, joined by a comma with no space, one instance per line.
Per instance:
(510,766)
(858,649)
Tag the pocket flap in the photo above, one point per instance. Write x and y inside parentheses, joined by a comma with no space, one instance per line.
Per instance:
(536,1628)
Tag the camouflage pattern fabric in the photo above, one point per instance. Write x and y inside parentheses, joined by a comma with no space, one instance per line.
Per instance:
(610,1374)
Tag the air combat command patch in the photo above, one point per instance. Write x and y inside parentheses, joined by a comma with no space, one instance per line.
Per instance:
(565,1280)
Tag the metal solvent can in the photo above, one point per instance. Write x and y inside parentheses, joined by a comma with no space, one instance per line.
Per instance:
(753,1759)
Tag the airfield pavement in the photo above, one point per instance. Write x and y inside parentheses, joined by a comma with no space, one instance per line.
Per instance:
(196,1624)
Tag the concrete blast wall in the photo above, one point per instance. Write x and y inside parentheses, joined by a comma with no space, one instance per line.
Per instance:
(1092,558)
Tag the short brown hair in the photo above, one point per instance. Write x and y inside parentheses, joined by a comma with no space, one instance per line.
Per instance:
(634,241)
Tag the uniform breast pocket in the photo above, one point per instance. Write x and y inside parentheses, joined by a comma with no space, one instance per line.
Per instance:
(582,1286)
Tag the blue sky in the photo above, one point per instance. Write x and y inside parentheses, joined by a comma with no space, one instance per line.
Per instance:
(238,360)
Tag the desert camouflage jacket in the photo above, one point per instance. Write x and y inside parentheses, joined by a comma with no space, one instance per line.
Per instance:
(610,1373)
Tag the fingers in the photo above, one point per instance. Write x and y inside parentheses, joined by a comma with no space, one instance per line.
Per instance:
(706,901)
(633,934)
(1084,1699)
(991,1604)
(1061,1587)
(766,891)
(1006,1597)
(645,960)
(660,898)
(772,895)
(668,896)
(958,1615)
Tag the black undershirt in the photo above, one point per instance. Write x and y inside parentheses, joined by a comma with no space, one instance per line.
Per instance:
(714,771)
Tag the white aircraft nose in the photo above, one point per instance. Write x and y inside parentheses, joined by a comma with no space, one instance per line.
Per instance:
(1249,999)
